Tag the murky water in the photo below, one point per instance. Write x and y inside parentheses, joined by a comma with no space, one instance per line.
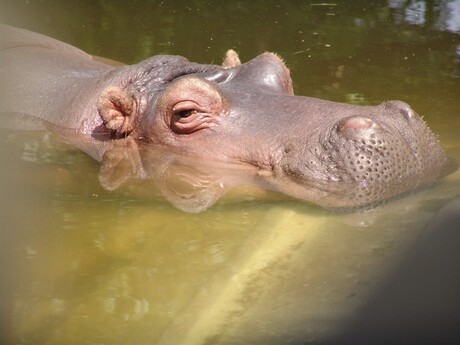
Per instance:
(81,265)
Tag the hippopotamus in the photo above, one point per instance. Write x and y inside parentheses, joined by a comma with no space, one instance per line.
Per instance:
(241,114)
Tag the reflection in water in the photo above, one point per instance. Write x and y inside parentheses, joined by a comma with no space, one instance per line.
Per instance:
(80,264)
(116,269)
(193,185)
(417,12)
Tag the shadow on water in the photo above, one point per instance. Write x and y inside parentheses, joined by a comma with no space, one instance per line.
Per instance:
(419,301)
(81,264)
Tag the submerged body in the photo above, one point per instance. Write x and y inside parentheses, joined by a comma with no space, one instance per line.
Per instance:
(332,154)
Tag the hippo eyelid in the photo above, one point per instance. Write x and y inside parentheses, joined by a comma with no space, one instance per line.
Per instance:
(184,106)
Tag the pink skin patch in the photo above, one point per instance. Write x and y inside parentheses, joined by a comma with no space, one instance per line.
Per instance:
(357,122)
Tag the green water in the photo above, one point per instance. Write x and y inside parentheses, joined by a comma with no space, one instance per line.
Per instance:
(81,265)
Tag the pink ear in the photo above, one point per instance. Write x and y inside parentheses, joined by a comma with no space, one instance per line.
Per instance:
(231,59)
(117,110)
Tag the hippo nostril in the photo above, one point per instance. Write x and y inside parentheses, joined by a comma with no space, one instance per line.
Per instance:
(355,122)
(358,123)
(357,127)
(402,107)
(409,113)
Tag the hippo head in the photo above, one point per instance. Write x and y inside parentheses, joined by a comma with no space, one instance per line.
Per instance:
(333,154)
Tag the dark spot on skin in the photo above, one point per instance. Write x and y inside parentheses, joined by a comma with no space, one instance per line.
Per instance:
(287,148)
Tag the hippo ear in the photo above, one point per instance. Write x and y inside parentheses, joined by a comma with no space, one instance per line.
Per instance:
(231,59)
(117,110)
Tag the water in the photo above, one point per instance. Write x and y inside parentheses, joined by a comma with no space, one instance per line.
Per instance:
(83,265)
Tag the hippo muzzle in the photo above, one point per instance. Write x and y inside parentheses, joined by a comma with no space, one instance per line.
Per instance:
(367,158)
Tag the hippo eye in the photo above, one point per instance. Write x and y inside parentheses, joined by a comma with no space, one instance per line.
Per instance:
(190,105)
(185,113)
(187,117)
(185,109)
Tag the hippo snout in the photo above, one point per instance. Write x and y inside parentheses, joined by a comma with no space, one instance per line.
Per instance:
(368,156)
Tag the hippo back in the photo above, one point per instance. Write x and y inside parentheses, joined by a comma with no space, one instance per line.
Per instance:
(11,37)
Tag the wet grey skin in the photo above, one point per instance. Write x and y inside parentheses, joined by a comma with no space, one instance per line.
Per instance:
(328,153)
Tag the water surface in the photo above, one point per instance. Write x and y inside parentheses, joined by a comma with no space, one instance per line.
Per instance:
(85,266)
